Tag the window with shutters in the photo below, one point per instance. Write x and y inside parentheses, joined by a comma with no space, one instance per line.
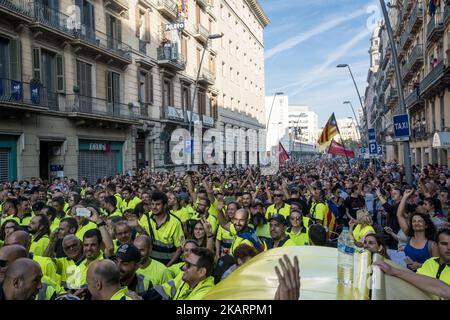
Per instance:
(10,59)
(186,97)
(113,32)
(113,93)
(201,102)
(167,93)
(184,49)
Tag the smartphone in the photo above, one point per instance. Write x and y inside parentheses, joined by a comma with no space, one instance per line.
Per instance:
(83,212)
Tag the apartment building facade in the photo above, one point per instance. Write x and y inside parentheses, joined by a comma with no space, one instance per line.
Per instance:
(95,88)
(423,46)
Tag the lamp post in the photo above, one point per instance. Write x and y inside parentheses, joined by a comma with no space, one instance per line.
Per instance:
(270,112)
(356,118)
(210,37)
(345,65)
(406,148)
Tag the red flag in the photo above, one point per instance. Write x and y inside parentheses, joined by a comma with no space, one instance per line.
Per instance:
(338,149)
(282,154)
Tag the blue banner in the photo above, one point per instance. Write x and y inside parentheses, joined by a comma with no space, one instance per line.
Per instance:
(35,93)
(16,90)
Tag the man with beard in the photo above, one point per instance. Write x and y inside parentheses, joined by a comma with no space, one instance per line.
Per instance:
(165,230)
(55,247)
(246,200)
(258,221)
(24,213)
(278,236)
(154,270)
(128,260)
(130,201)
(111,189)
(39,228)
(439,267)
(22,280)
(241,231)
(123,234)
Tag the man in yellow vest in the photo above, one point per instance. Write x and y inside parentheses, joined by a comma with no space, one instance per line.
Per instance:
(103,281)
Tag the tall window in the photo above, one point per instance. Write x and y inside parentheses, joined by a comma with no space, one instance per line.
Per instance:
(186,97)
(167,93)
(113,93)
(201,102)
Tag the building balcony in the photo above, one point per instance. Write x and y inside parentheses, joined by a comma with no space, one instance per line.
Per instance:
(435,27)
(174,114)
(208,121)
(433,80)
(405,40)
(168,57)
(413,100)
(91,108)
(390,71)
(16,10)
(51,22)
(143,109)
(416,18)
(419,132)
(391,97)
(201,33)
(25,96)
(102,46)
(168,8)
(203,3)
(119,6)
(415,61)
(206,77)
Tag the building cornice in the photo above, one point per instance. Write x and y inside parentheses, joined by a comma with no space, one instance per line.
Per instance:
(258,11)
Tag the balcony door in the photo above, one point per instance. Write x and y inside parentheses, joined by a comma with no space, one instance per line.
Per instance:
(47,11)
(84,83)
(49,78)
(113,93)
(113,32)
(87,19)
(4,66)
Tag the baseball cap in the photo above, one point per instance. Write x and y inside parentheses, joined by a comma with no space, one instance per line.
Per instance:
(128,252)
(279,218)
(257,202)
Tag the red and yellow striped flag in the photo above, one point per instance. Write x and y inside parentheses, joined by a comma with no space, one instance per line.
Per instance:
(329,131)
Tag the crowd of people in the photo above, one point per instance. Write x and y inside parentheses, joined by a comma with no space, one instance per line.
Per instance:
(175,235)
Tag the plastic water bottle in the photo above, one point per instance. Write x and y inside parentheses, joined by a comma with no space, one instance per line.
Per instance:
(346,249)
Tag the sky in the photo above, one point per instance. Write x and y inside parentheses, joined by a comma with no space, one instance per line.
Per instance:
(305,42)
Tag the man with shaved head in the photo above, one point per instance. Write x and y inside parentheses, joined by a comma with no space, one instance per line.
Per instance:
(103,281)
(8,255)
(154,270)
(47,266)
(22,280)
(240,230)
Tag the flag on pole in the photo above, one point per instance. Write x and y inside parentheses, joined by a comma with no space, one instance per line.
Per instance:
(183,7)
(329,131)
(282,154)
(338,149)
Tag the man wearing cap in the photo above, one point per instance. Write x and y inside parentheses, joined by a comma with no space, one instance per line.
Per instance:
(128,258)
(257,220)
(278,236)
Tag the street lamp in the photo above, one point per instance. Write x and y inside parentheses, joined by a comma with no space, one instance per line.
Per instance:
(345,65)
(270,113)
(356,118)
(210,37)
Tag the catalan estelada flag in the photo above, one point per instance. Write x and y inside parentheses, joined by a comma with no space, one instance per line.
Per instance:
(329,131)
(183,7)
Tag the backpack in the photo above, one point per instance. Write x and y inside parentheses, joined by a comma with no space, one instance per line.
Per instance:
(329,221)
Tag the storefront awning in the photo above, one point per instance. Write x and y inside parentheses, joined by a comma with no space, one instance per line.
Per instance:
(441,140)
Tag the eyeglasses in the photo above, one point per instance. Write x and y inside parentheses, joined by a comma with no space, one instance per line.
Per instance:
(70,247)
(3,263)
(277,195)
(295,218)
